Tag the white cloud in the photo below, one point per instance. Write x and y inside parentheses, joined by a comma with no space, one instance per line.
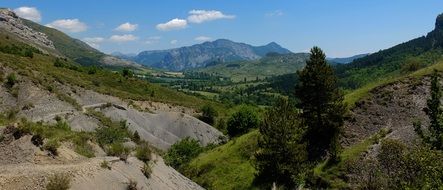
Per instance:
(94,41)
(126,27)
(30,13)
(68,25)
(174,42)
(202,38)
(200,16)
(173,24)
(274,13)
(123,38)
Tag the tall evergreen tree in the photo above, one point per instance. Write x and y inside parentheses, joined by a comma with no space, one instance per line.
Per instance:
(435,112)
(322,105)
(282,155)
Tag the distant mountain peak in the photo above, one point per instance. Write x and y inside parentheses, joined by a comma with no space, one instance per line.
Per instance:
(439,22)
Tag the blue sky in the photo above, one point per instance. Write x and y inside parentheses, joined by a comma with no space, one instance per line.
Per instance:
(340,27)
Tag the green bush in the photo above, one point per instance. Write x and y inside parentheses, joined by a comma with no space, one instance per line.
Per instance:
(209,114)
(147,170)
(51,146)
(143,153)
(118,149)
(182,152)
(58,182)
(242,121)
(11,80)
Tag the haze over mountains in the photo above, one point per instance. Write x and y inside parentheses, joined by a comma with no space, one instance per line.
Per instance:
(200,55)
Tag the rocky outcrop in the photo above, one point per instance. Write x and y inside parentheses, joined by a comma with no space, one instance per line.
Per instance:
(11,23)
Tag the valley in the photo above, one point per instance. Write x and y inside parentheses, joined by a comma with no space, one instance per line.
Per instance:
(218,114)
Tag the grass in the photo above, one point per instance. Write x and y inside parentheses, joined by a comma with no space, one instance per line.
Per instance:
(41,70)
(226,167)
(331,174)
(60,132)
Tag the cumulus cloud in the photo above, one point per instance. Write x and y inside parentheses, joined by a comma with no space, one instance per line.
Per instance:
(202,38)
(123,38)
(200,16)
(68,25)
(174,42)
(275,13)
(30,13)
(173,24)
(94,41)
(126,27)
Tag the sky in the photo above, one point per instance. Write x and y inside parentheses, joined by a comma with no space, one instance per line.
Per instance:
(340,27)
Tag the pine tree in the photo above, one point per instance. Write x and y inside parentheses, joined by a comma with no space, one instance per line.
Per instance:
(435,112)
(322,105)
(282,155)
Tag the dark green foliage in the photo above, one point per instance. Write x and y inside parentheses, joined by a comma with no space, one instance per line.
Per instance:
(11,80)
(282,154)
(242,121)
(322,105)
(182,152)
(435,111)
(127,73)
(136,137)
(23,50)
(209,114)
(59,63)
(398,167)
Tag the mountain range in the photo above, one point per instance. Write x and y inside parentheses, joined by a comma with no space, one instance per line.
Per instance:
(200,55)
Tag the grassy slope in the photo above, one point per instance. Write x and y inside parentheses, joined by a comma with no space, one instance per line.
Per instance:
(70,47)
(266,67)
(217,169)
(227,166)
(42,71)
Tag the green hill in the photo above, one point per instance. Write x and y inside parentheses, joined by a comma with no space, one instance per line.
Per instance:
(396,61)
(271,65)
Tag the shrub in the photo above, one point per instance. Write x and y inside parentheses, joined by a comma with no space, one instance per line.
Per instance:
(118,149)
(208,114)
(143,153)
(105,164)
(11,80)
(147,170)
(51,146)
(136,137)
(182,152)
(59,182)
(242,121)
(132,185)
(37,140)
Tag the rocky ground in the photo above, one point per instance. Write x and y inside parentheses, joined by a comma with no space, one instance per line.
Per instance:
(394,107)
(25,166)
